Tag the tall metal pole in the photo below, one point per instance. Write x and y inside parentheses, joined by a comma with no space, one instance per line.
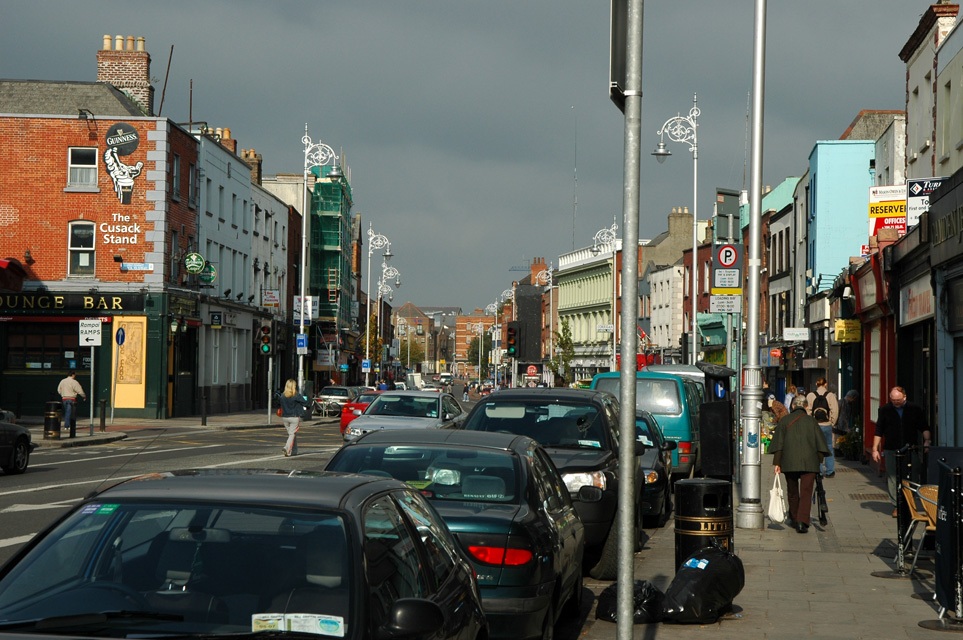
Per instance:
(685,129)
(630,308)
(749,512)
(375,241)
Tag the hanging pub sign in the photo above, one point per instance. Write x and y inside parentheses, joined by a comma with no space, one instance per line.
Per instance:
(122,140)
(194,263)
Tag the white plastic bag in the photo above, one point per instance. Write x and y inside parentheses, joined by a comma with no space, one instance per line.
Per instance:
(777,501)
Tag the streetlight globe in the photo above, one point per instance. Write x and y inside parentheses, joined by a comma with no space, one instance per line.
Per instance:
(661,152)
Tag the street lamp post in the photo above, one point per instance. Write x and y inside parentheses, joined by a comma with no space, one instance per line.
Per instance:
(375,242)
(387,272)
(509,294)
(683,129)
(403,331)
(606,238)
(315,155)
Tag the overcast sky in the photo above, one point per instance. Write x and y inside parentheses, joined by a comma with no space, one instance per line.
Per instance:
(465,122)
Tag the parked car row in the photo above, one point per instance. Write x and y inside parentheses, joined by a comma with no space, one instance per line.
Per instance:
(428,522)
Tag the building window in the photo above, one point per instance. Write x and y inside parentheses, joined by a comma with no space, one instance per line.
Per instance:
(175,177)
(82,167)
(80,246)
(44,346)
(192,185)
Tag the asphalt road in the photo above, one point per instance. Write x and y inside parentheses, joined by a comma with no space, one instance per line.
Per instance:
(59,478)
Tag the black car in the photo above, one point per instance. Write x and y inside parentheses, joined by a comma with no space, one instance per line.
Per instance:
(15,447)
(579,430)
(508,507)
(656,503)
(216,552)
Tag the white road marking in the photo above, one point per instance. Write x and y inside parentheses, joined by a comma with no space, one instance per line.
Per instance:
(9,542)
(36,507)
(141,452)
(65,485)
(248,460)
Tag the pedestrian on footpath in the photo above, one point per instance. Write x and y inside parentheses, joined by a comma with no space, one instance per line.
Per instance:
(824,406)
(790,394)
(900,423)
(69,389)
(778,409)
(798,446)
(293,405)
(464,394)
(848,414)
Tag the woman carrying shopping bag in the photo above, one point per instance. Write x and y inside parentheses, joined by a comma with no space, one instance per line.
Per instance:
(292,406)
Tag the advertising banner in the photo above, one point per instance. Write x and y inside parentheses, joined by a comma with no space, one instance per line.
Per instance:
(918,198)
(887,209)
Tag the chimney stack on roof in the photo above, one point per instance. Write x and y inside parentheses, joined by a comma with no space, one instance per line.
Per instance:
(254,159)
(126,66)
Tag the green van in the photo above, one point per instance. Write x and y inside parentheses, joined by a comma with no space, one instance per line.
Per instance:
(674,400)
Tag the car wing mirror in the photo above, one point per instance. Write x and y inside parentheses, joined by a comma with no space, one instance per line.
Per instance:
(641,447)
(588,493)
(669,445)
(357,412)
(412,618)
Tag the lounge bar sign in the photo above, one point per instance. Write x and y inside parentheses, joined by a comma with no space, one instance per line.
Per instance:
(31,303)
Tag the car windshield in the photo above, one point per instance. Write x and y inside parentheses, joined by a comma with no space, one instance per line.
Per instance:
(366,398)
(549,422)
(183,568)
(658,396)
(440,472)
(339,392)
(408,406)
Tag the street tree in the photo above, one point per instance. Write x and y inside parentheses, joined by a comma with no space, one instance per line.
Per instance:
(561,364)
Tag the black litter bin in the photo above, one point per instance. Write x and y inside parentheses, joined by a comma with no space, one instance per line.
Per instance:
(703,512)
(53,411)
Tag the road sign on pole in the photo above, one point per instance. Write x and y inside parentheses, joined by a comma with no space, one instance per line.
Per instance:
(90,335)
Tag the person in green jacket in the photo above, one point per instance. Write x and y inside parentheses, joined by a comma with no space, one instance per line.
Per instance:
(798,446)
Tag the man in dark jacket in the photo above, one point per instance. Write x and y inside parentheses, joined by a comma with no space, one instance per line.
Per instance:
(900,423)
(798,446)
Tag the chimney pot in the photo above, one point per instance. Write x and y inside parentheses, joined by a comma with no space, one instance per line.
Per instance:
(685,210)
(130,43)
(107,42)
(227,133)
(118,43)
(141,44)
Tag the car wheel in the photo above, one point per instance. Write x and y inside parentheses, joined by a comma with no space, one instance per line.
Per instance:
(20,458)
(573,607)
(608,564)
(548,625)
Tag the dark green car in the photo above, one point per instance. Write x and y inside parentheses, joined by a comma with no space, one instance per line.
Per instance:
(508,507)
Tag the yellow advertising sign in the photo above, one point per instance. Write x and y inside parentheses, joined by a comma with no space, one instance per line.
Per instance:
(848,331)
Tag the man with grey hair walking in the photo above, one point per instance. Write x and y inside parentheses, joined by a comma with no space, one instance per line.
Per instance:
(798,446)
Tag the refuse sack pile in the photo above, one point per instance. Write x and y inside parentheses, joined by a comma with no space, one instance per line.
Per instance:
(702,590)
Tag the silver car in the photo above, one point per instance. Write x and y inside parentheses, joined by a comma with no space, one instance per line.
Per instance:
(407,410)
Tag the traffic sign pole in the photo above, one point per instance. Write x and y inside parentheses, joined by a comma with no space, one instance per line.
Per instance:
(89,336)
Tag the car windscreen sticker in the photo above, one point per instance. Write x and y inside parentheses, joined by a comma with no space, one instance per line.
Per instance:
(99,509)
(304,622)
(590,443)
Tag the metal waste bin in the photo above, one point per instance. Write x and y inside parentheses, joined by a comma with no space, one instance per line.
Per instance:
(703,512)
(53,411)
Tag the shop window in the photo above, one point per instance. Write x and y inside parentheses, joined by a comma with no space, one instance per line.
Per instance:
(44,346)
(80,247)
(82,167)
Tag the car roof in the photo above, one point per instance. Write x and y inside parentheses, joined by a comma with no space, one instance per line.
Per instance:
(410,394)
(266,487)
(478,439)
(560,393)
(658,375)
(677,369)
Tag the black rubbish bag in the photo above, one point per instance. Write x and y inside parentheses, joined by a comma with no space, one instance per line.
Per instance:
(705,586)
(646,603)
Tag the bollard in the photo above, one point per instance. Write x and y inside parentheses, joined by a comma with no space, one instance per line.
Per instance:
(51,420)
(103,415)
(703,512)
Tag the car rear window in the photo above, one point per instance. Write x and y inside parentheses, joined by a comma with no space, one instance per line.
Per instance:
(407,406)
(658,396)
(550,423)
(440,472)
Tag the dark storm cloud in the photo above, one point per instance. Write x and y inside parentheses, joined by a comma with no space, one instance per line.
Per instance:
(458,119)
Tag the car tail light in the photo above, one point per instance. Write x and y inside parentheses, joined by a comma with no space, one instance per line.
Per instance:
(501,555)
(684,448)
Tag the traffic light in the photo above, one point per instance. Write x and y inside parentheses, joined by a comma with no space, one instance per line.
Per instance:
(267,337)
(512,340)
